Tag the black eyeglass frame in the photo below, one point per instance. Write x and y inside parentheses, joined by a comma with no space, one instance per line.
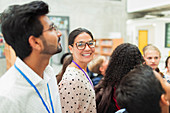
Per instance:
(86,43)
(52,26)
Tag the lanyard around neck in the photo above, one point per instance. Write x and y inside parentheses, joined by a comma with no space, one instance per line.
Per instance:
(83,72)
(29,81)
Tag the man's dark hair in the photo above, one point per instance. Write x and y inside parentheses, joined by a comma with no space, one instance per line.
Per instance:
(140,91)
(76,32)
(19,22)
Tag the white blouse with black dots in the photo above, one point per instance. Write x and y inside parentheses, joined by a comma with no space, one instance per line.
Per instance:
(76,93)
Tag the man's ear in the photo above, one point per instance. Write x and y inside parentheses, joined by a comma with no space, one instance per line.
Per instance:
(164,100)
(35,43)
(70,48)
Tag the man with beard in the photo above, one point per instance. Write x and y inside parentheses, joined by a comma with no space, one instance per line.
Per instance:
(30,85)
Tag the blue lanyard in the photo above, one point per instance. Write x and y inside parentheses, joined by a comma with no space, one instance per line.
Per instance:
(83,72)
(29,81)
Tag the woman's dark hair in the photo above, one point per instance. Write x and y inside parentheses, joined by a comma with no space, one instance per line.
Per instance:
(19,22)
(166,62)
(76,32)
(63,57)
(140,91)
(65,64)
(123,59)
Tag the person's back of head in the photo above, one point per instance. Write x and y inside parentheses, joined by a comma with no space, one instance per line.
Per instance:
(19,22)
(140,91)
(124,58)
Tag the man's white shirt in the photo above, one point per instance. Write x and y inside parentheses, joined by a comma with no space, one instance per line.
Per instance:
(18,96)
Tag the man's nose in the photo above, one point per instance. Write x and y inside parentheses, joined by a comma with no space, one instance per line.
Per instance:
(59,33)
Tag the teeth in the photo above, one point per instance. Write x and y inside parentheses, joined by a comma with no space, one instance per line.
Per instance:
(86,54)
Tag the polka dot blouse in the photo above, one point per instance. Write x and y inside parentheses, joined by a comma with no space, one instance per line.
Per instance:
(76,93)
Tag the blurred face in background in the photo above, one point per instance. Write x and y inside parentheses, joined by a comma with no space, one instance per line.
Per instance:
(168,65)
(104,67)
(152,58)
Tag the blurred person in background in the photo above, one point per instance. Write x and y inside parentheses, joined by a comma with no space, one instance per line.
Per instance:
(167,66)
(98,65)
(152,57)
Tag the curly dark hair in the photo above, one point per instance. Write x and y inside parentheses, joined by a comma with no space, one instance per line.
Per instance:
(19,22)
(123,59)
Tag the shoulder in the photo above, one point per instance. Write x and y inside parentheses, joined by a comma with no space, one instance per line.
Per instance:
(8,105)
(99,77)
(96,80)
(72,72)
(12,85)
(72,78)
(8,81)
(121,111)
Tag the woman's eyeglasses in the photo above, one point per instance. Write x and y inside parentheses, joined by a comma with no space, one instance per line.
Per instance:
(81,45)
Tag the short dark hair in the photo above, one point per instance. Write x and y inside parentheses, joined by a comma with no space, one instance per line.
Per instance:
(140,91)
(166,62)
(19,22)
(76,32)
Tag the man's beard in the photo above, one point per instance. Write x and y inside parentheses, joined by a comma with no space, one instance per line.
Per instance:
(59,49)
(51,49)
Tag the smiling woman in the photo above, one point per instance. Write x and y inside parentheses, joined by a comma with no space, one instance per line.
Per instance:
(75,81)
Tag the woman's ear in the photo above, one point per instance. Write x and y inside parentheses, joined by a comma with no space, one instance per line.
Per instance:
(70,48)
(164,100)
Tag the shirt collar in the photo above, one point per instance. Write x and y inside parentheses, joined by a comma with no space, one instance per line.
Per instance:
(34,78)
(122,111)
